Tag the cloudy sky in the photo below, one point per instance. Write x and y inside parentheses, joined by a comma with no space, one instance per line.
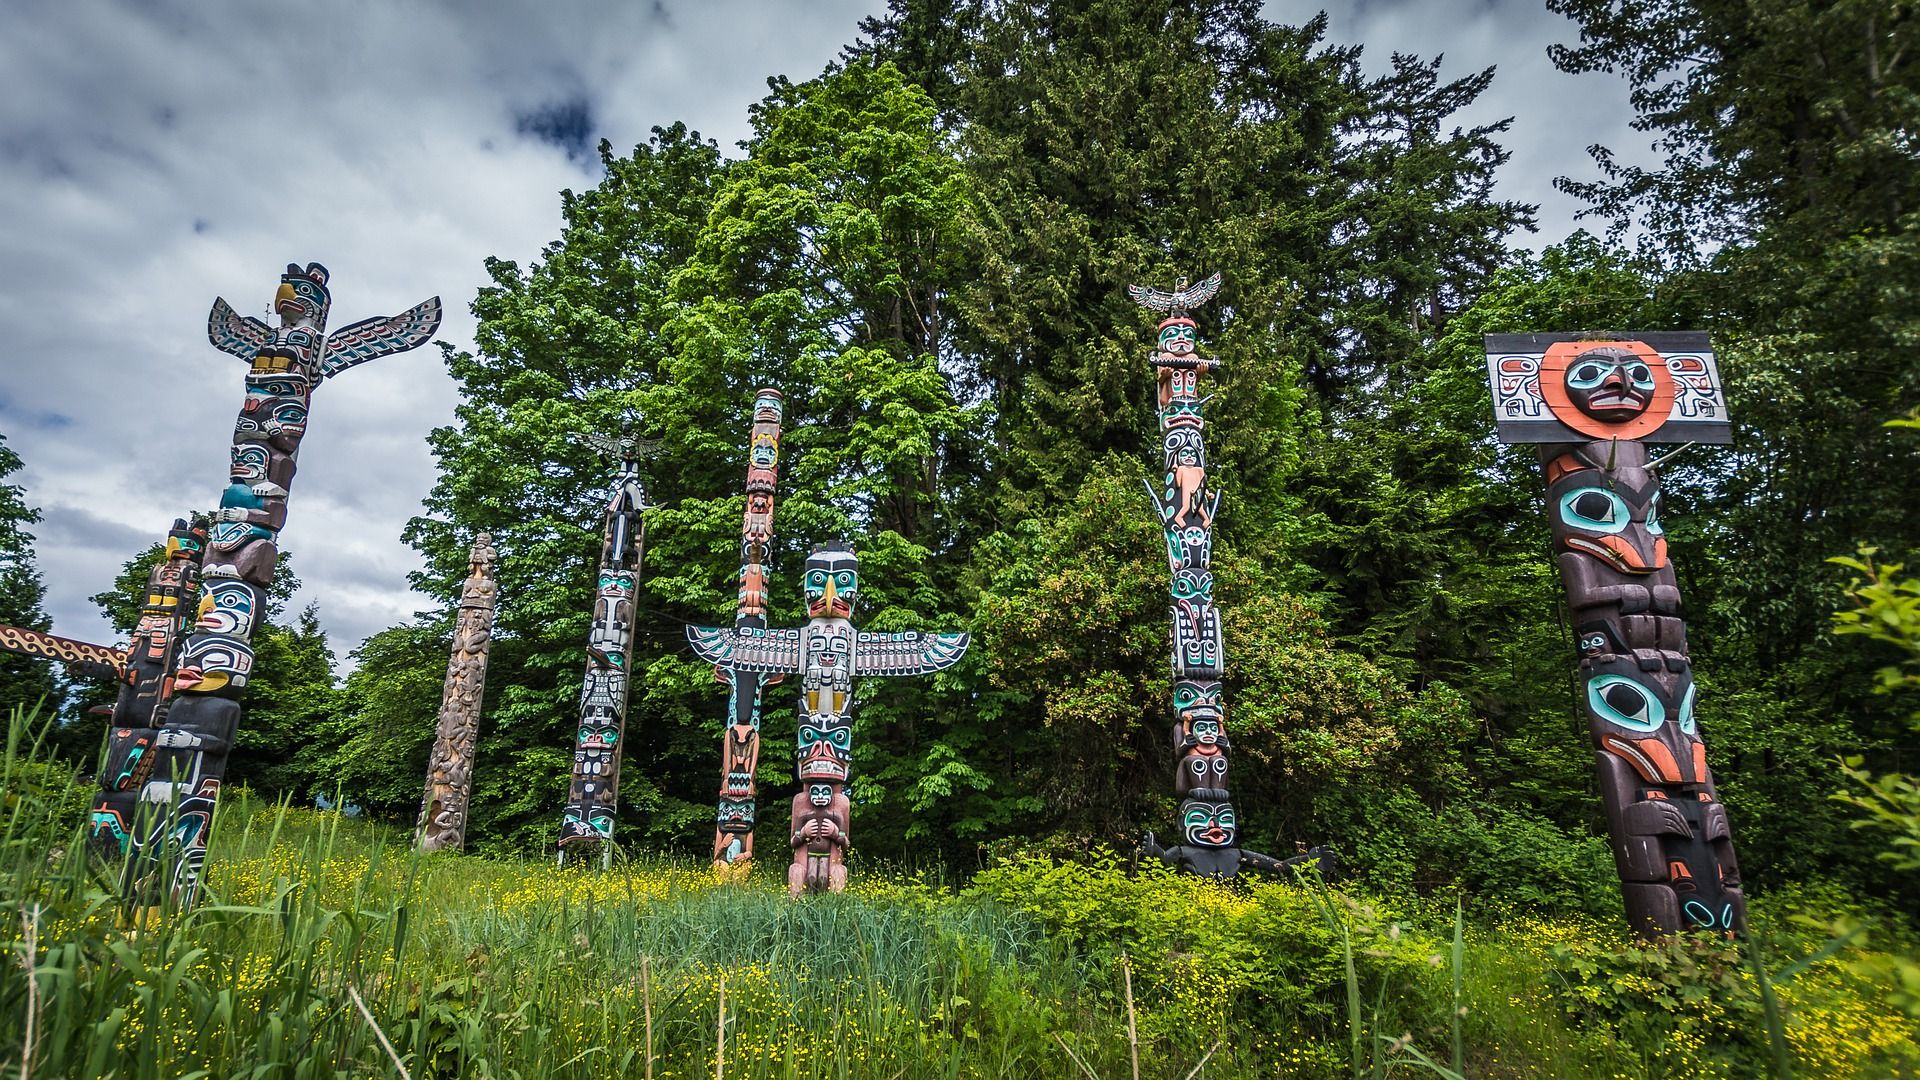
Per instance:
(155,156)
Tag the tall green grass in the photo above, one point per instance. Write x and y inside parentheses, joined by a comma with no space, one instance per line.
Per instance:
(327,948)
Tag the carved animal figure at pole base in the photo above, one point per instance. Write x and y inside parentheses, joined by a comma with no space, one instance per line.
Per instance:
(827,654)
(1592,403)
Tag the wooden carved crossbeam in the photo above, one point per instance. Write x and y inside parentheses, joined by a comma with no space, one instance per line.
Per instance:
(81,657)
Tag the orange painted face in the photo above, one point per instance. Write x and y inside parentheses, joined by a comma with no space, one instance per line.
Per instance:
(1603,390)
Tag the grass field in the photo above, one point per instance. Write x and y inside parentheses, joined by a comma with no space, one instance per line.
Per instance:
(325,948)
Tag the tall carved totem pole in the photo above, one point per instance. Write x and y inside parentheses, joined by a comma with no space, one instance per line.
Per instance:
(1592,404)
(827,653)
(740,743)
(443,809)
(1186,509)
(593,796)
(212,663)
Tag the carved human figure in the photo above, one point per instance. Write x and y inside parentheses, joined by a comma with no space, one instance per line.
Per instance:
(821,816)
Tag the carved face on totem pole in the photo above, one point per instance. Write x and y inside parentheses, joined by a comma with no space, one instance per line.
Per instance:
(593,750)
(1613,385)
(1178,336)
(612,610)
(274,411)
(1614,518)
(1207,823)
(831,582)
(226,607)
(1646,719)
(825,747)
(212,664)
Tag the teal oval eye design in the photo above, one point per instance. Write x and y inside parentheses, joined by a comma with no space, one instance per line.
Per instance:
(808,736)
(1641,375)
(843,580)
(1687,723)
(817,579)
(1197,817)
(842,738)
(1595,509)
(1621,701)
(1653,518)
(1588,374)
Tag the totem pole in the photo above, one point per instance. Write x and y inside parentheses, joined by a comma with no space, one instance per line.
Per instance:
(1592,403)
(827,653)
(190,747)
(740,742)
(1186,509)
(146,685)
(144,670)
(443,810)
(593,796)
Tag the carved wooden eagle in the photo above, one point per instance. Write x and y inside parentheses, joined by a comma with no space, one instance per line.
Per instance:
(1177,302)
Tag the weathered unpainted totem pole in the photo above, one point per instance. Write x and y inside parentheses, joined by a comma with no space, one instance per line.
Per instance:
(443,810)
(189,748)
(740,741)
(1186,510)
(827,653)
(1593,403)
(593,796)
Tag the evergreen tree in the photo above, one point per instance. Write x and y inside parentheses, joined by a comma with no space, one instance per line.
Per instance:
(24,682)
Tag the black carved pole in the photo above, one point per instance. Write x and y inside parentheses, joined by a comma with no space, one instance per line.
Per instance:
(740,748)
(594,793)
(1592,404)
(146,685)
(191,744)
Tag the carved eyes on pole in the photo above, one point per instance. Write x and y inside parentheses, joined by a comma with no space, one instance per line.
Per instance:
(1593,370)
(841,739)
(1206,769)
(1621,701)
(1596,509)
(1625,703)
